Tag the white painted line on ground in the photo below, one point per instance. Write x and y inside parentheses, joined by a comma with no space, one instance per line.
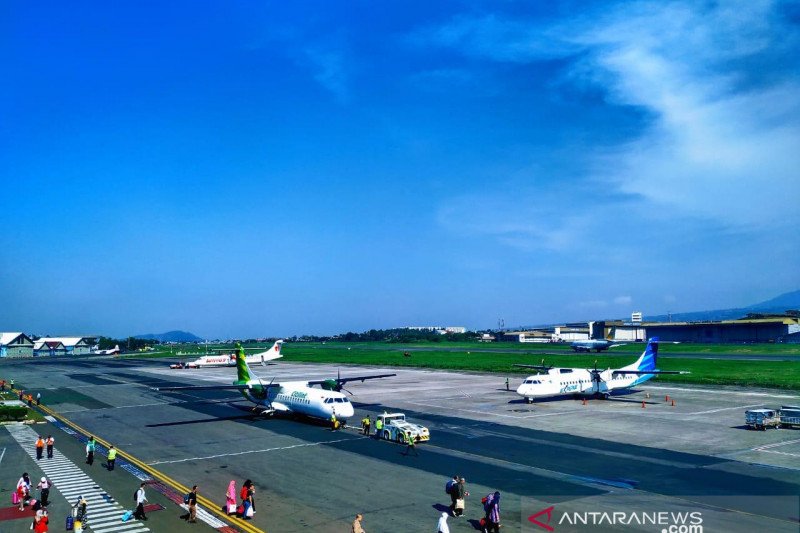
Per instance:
(711,391)
(305,445)
(775,445)
(2,455)
(723,409)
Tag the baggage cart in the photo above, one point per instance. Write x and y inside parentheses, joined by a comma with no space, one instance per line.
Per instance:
(762,418)
(790,416)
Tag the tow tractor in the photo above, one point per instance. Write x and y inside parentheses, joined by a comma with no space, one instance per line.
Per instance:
(396,427)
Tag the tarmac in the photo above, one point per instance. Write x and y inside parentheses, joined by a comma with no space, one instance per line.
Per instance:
(614,455)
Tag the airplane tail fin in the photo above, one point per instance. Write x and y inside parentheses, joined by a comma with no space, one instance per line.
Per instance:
(243,373)
(273,353)
(612,330)
(647,361)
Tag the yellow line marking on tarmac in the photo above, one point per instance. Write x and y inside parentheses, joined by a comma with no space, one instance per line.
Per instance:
(252,451)
(210,506)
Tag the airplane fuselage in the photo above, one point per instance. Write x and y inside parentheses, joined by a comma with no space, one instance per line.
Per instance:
(561,381)
(298,397)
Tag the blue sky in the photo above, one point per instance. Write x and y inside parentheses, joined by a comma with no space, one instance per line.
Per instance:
(272,168)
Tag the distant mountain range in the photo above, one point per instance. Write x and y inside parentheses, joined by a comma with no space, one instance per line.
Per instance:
(780,304)
(170,336)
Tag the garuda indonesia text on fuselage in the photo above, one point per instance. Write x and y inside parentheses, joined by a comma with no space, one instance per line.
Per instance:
(301,397)
(583,381)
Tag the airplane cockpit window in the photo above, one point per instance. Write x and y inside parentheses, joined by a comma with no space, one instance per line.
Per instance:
(339,400)
(328,400)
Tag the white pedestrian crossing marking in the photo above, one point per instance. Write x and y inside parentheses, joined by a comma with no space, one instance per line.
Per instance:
(69,480)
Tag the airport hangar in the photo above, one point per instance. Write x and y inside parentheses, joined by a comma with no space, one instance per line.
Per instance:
(754,328)
(17,344)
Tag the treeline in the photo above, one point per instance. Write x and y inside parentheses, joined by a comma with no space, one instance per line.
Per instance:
(131,343)
(399,335)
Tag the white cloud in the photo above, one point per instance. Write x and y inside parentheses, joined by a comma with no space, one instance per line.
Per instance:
(721,146)
(623,300)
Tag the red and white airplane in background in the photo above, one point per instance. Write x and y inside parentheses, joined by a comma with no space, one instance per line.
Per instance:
(111,351)
(230,359)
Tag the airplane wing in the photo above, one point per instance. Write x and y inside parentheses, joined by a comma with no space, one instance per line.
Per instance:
(645,372)
(341,381)
(214,387)
(537,367)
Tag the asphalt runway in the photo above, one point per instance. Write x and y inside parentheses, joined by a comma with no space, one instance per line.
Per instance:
(612,454)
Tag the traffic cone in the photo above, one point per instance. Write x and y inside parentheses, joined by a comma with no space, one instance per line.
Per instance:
(643,404)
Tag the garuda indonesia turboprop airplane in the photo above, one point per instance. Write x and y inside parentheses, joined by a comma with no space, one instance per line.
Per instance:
(591,381)
(300,397)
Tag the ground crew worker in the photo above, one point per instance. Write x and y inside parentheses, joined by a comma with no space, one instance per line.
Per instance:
(30,400)
(112,457)
(39,447)
(411,444)
(38,398)
(2,384)
(378,427)
(334,422)
(50,441)
(12,383)
(507,384)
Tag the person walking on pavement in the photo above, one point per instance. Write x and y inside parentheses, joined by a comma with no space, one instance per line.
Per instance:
(30,400)
(411,445)
(38,398)
(378,427)
(90,446)
(193,505)
(23,490)
(39,447)
(140,498)
(230,497)
(112,457)
(450,489)
(442,526)
(44,491)
(461,493)
(49,442)
(357,525)
(493,513)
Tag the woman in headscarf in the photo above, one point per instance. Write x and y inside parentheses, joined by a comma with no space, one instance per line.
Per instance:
(230,498)
(442,526)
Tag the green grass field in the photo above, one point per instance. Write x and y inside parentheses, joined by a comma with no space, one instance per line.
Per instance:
(500,357)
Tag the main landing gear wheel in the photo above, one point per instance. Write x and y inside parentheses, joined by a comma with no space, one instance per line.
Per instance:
(385,435)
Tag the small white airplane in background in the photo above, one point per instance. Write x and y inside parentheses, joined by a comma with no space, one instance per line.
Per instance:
(596,344)
(230,359)
(299,397)
(592,382)
(111,351)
